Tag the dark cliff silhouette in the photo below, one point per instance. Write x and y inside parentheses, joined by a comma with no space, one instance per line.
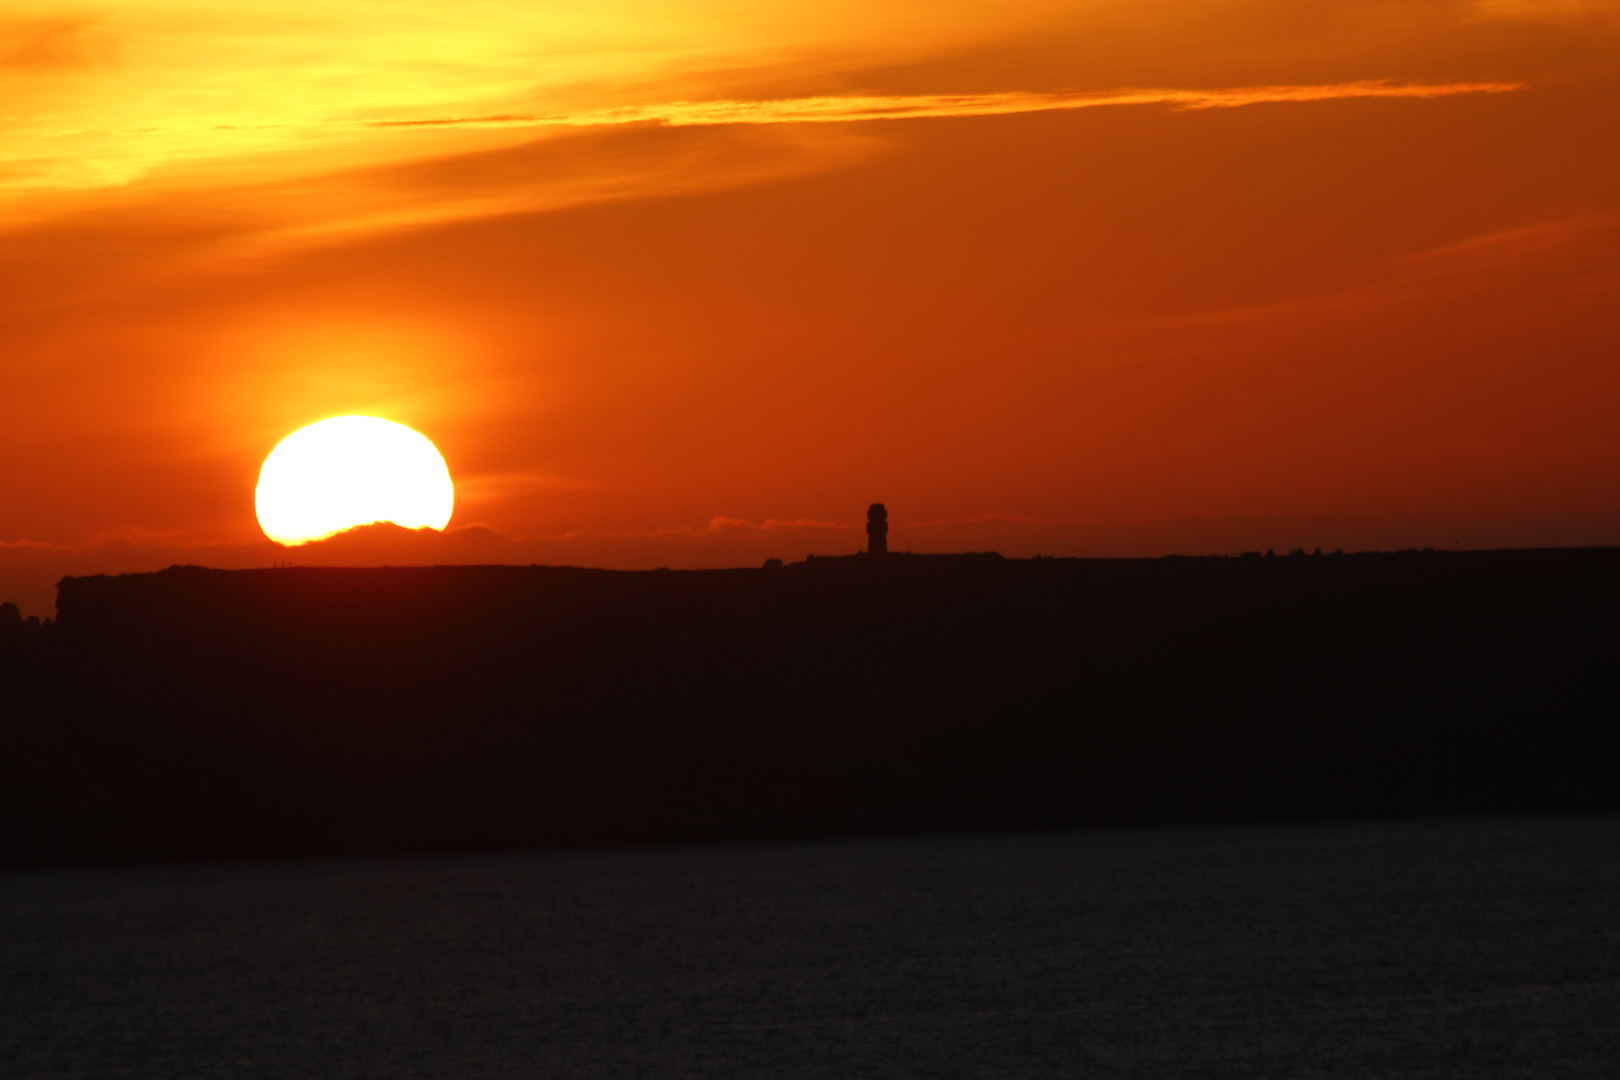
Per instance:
(202,713)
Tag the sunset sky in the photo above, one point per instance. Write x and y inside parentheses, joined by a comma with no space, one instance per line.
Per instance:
(691,282)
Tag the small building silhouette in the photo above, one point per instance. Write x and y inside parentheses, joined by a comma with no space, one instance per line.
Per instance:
(877,530)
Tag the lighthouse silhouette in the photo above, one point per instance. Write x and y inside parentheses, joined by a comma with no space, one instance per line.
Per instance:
(877,530)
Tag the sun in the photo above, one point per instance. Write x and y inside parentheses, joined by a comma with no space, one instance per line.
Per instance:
(348,471)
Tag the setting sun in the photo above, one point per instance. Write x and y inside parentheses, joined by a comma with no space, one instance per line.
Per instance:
(348,471)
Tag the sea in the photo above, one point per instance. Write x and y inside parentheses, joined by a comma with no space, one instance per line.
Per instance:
(1469,948)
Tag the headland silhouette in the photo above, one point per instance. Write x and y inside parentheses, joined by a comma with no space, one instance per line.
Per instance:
(300,711)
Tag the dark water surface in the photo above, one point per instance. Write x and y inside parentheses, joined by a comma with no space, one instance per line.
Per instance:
(1467,948)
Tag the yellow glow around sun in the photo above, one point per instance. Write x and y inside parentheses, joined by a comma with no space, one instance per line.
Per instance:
(348,471)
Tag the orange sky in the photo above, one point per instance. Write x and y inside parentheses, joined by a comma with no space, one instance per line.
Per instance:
(690,284)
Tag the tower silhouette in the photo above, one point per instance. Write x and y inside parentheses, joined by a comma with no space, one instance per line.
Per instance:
(877,530)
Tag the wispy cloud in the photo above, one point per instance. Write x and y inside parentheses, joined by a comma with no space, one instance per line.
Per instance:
(716,527)
(1510,244)
(843,109)
(830,110)
(1460,266)
(850,109)
(1546,9)
(356,141)
(976,519)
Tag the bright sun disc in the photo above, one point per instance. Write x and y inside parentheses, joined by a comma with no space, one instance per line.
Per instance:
(348,471)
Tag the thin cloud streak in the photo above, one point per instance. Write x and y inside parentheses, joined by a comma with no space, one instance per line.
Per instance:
(1423,273)
(833,110)
(1516,242)
(853,109)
